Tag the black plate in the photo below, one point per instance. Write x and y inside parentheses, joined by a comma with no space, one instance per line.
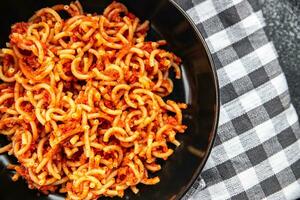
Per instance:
(198,88)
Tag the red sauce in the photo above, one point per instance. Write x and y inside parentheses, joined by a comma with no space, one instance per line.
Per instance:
(20,27)
(133,78)
(131,15)
(8,60)
(109,104)
(31,61)
(148,47)
(171,121)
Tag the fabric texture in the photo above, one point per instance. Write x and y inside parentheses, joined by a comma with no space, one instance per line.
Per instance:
(256,154)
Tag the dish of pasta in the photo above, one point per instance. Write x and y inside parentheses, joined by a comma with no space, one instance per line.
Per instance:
(84,102)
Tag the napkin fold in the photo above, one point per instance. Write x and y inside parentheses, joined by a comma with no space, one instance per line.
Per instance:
(256,154)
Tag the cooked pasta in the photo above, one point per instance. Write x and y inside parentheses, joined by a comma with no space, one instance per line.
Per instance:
(81,102)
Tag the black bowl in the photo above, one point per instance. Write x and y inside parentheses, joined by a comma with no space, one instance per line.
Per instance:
(198,88)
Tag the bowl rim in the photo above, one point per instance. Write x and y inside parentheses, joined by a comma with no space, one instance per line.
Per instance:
(217,98)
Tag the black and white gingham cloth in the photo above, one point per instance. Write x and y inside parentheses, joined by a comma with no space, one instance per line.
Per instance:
(256,154)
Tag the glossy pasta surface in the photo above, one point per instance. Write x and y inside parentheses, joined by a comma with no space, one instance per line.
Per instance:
(84,102)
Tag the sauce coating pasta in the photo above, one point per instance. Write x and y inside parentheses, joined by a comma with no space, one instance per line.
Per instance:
(81,102)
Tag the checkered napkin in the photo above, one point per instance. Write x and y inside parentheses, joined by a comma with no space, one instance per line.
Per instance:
(256,154)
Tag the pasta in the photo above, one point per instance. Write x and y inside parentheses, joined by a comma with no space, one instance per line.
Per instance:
(82,102)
